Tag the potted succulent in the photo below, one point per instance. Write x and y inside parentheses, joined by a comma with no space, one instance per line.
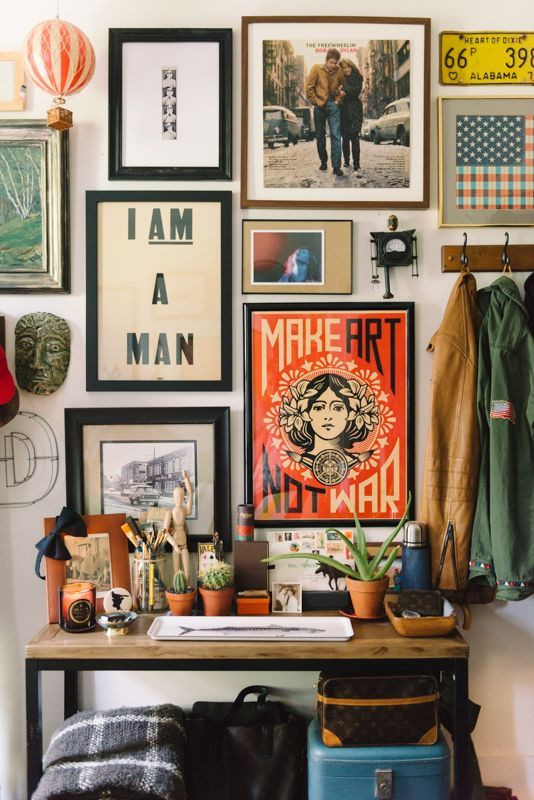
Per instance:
(367,581)
(180,596)
(217,589)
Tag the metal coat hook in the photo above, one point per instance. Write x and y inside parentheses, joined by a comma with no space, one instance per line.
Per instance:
(505,256)
(464,261)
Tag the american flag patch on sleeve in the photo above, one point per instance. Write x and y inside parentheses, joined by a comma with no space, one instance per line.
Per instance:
(503,409)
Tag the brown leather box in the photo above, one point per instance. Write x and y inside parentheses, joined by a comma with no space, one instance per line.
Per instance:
(250,573)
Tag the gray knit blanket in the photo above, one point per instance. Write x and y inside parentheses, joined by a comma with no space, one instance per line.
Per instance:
(122,754)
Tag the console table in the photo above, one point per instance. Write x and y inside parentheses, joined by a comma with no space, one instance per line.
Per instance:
(376,648)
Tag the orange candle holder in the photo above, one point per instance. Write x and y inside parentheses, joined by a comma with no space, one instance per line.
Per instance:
(77,605)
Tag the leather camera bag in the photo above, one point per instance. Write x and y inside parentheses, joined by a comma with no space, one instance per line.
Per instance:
(245,751)
(379,710)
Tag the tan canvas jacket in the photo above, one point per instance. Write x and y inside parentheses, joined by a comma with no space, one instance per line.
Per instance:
(321,84)
(450,478)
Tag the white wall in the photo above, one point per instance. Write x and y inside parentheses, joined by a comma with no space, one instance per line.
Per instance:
(502,671)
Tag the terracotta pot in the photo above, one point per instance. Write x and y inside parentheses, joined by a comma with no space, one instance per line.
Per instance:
(180,604)
(217,602)
(368,597)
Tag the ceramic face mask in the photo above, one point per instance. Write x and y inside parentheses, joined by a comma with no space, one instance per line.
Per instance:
(42,352)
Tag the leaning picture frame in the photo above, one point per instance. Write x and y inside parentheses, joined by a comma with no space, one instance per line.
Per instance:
(486,161)
(167,121)
(129,459)
(303,120)
(282,256)
(159,286)
(110,565)
(329,412)
(34,195)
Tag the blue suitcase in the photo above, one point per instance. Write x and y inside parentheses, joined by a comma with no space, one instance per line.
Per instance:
(401,772)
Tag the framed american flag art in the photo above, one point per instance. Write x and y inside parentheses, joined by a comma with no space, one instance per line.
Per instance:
(486,161)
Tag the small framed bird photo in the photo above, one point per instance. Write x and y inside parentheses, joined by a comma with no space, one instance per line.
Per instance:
(486,161)
(297,256)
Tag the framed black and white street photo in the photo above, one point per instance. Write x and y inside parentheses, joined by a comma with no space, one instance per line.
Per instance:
(170,104)
(159,277)
(131,459)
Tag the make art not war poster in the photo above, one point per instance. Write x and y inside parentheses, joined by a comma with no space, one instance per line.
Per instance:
(331,412)
(161,303)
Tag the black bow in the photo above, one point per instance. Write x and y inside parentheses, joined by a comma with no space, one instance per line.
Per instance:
(53,546)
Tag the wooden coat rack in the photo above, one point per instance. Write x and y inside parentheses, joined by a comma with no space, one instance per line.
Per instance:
(488,257)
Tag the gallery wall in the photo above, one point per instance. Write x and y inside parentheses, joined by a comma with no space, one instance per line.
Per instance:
(502,635)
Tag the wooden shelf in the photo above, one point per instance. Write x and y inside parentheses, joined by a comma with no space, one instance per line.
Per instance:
(372,640)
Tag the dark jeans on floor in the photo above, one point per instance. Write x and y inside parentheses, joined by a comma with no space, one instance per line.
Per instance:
(321,115)
(355,142)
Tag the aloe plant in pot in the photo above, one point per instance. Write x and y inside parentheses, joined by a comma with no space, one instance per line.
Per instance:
(366,581)
(217,589)
(180,596)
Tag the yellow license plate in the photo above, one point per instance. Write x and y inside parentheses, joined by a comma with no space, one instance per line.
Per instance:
(481,57)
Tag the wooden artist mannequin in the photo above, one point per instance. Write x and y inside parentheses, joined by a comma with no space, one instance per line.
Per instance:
(175,523)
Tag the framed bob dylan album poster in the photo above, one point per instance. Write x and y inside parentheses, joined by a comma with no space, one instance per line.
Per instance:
(159,275)
(486,161)
(130,460)
(297,256)
(34,203)
(101,557)
(329,412)
(170,104)
(335,112)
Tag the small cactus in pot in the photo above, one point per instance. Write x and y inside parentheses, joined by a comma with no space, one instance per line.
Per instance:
(217,589)
(180,595)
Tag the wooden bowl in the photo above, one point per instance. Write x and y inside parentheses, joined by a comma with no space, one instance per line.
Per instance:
(423,626)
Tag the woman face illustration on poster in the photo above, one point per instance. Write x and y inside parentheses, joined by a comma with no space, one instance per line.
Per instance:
(324,418)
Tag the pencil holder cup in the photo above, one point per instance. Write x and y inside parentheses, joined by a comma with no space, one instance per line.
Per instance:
(150,580)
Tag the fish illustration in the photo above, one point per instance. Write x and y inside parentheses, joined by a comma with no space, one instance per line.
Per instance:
(279,630)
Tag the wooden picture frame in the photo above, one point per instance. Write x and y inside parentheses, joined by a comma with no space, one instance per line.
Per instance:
(12,88)
(282,256)
(487,185)
(132,447)
(168,309)
(278,54)
(354,361)
(150,139)
(96,524)
(34,189)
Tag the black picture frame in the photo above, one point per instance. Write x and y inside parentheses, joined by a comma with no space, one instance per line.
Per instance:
(78,420)
(120,36)
(224,251)
(270,520)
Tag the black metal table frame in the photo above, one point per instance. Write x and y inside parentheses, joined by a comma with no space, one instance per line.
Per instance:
(72,666)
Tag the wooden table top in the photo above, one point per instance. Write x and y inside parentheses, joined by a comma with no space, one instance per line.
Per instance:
(372,640)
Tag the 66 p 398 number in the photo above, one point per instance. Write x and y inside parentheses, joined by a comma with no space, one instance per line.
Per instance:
(486,57)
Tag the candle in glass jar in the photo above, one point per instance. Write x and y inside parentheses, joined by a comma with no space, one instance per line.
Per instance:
(77,602)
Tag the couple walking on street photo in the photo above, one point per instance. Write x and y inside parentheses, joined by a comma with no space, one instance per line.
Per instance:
(333,89)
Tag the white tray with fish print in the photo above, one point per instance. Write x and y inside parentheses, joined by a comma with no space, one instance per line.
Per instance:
(265,629)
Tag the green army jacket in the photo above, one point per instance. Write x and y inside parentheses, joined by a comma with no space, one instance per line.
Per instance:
(502,545)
